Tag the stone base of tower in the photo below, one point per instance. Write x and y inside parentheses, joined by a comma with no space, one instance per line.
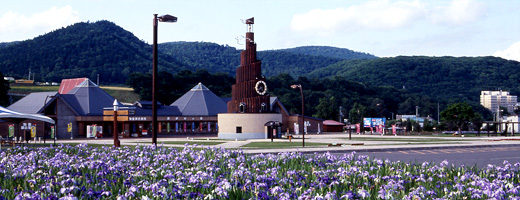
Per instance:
(244,126)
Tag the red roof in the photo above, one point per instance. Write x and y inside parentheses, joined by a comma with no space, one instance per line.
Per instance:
(332,123)
(68,84)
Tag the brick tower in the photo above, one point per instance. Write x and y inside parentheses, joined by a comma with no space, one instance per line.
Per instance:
(249,93)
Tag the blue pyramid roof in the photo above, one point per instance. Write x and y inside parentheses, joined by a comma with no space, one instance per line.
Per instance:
(200,101)
(88,99)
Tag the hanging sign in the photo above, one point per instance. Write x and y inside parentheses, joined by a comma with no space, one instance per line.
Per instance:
(11,130)
(69,127)
(52,131)
(33,131)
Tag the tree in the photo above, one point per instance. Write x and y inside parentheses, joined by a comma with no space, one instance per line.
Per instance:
(4,87)
(356,113)
(459,115)
(327,108)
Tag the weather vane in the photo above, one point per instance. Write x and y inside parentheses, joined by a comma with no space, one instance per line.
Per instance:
(249,23)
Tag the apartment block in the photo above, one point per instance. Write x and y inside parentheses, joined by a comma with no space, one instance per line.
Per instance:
(493,99)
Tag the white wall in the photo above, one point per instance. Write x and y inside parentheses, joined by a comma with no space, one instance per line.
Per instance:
(252,125)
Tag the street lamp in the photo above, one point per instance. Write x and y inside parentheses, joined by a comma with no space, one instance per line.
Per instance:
(163,18)
(303,112)
(116,107)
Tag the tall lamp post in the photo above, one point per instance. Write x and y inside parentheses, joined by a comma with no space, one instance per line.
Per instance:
(303,112)
(44,109)
(163,18)
(116,107)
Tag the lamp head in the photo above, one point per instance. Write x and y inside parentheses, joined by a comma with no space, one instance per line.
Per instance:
(295,86)
(167,18)
(116,105)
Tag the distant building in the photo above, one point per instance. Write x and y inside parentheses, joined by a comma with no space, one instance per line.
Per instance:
(493,99)
(419,120)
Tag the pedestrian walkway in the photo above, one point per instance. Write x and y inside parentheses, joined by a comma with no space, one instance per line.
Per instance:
(339,142)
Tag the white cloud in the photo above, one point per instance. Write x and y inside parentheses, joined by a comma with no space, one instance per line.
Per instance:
(384,15)
(17,26)
(511,53)
(458,12)
(381,14)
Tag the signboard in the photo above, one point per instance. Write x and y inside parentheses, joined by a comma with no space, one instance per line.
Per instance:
(378,122)
(119,118)
(374,122)
(33,131)
(119,112)
(367,122)
(52,131)
(11,130)
(69,127)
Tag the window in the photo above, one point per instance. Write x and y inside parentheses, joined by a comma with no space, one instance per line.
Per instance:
(263,107)
(242,107)
(239,129)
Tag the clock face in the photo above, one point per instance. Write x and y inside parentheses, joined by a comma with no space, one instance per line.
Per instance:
(261,87)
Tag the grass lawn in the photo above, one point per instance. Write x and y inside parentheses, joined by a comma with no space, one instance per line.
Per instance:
(184,142)
(268,145)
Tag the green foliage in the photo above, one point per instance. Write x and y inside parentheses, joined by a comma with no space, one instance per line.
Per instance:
(4,88)
(170,88)
(459,115)
(82,50)
(327,108)
(333,52)
(222,58)
(444,79)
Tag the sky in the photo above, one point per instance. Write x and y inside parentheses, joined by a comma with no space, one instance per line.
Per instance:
(384,28)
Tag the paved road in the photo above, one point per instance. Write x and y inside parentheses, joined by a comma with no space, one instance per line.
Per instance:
(479,156)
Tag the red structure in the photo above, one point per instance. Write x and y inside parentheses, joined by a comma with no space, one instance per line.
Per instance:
(249,93)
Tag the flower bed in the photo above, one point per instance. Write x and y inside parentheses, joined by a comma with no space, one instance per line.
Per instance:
(146,172)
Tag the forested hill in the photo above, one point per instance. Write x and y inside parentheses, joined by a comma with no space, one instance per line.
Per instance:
(333,52)
(442,78)
(82,50)
(86,49)
(223,58)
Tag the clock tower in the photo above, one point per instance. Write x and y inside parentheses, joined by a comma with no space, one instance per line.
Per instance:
(249,113)
(249,93)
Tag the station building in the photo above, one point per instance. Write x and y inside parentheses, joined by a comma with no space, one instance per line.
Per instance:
(86,107)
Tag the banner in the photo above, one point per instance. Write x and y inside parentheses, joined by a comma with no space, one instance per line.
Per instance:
(33,131)
(394,130)
(358,128)
(69,127)
(11,130)
(99,131)
(168,127)
(52,131)
(94,130)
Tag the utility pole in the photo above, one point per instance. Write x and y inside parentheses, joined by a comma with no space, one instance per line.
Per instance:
(340,114)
